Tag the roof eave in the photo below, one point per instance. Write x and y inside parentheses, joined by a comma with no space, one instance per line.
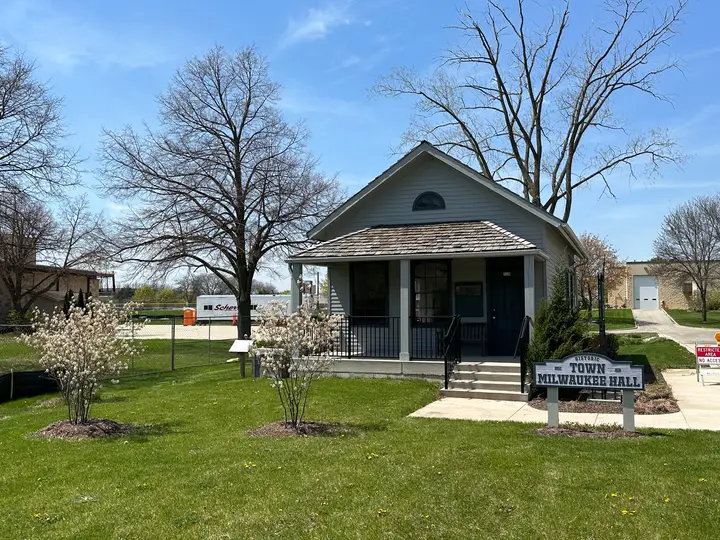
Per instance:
(415,256)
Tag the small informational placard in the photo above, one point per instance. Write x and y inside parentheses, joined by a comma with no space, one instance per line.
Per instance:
(241,345)
(589,370)
(707,361)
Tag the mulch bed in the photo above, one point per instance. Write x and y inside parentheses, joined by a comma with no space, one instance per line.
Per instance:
(657,398)
(306,429)
(588,433)
(95,428)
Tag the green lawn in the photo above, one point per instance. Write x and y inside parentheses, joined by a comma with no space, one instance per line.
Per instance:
(660,353)
(201,476)
(156,355)
(16,356)
(694,318)
(615,319)
(166,318)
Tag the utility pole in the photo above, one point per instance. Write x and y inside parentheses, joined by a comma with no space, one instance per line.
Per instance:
(601,306)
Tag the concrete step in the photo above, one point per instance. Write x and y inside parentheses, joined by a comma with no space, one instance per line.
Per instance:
(485,376)
(504,386)
(484,394)
(495,367)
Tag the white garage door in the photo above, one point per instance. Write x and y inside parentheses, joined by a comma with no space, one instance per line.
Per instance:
(646,292)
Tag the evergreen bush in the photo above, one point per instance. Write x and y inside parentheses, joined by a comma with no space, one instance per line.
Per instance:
(559,328)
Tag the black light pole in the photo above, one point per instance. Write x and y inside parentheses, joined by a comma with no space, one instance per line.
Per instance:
(601,305)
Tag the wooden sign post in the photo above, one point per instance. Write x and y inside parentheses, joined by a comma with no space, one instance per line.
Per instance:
(241,347)
(589,370)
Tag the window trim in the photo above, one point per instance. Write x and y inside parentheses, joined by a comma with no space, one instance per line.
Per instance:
(413,266)
(417,208)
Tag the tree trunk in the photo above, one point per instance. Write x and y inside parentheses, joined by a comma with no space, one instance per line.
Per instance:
(243,319)
(703,304)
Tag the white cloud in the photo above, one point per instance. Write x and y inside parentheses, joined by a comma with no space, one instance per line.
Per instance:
(350,61)
(317,24)
(302,103)
(116,208)
(57,39)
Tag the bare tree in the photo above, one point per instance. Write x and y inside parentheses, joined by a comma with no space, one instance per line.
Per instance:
(37,249)
(601,257)
(263,287)
(532,107)
(187,286)
(224,182)
(688,246)
(32,157)
(212,284)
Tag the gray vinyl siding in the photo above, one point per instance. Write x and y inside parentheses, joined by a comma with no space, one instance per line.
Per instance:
(465,200)
(339,287)
(559,253)
(540,284)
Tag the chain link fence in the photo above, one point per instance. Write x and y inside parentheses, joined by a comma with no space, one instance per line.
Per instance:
(164,343)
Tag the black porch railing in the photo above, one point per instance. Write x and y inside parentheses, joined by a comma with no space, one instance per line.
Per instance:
(368,337)
(453,341)
(521,349)
(427,337)
(379,337)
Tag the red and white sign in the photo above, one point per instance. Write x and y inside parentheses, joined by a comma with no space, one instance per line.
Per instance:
(707,354)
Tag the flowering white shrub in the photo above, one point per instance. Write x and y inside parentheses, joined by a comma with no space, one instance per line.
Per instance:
(294,349)
(81,348)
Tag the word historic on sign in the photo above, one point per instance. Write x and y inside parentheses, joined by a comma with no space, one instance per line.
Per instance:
(589,370)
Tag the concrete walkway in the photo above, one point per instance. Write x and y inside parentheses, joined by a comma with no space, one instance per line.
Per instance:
(699,408)
(658,322)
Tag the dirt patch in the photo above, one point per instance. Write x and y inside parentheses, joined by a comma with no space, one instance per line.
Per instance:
(306,429)
(588,433)
(96,428)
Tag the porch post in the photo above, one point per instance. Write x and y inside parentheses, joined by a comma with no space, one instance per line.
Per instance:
(295,271)
(529,272)
(405,331)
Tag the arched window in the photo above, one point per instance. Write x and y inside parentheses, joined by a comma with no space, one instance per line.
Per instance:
(429,201)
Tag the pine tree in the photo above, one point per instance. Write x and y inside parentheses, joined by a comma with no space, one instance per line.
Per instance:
(559,329)
(68,301)
(80,302)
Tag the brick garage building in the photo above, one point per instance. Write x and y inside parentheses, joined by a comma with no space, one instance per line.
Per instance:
(640,288)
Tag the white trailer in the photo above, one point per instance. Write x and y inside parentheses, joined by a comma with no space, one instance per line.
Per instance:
(222,307)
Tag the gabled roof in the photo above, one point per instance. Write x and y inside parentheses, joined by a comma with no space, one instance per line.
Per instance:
(427,148)
(418,240)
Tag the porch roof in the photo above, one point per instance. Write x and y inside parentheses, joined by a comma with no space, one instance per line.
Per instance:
(418,240)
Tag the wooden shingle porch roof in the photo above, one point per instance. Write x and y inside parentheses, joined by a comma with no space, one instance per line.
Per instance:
(429,240)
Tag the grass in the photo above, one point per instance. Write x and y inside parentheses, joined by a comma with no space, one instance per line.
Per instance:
(16,356)
(156,355)
(650,350)
(161,312)
(201,476)
(694,318)
(615,319)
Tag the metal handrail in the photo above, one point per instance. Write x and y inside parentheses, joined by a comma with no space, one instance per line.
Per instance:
(521,348)
(452,348)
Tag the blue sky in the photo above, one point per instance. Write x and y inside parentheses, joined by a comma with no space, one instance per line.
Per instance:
(110,60)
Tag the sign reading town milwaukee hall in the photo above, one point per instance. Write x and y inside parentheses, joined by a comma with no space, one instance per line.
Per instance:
(589,370)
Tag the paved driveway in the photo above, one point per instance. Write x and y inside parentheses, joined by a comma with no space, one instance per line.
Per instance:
(657,321)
